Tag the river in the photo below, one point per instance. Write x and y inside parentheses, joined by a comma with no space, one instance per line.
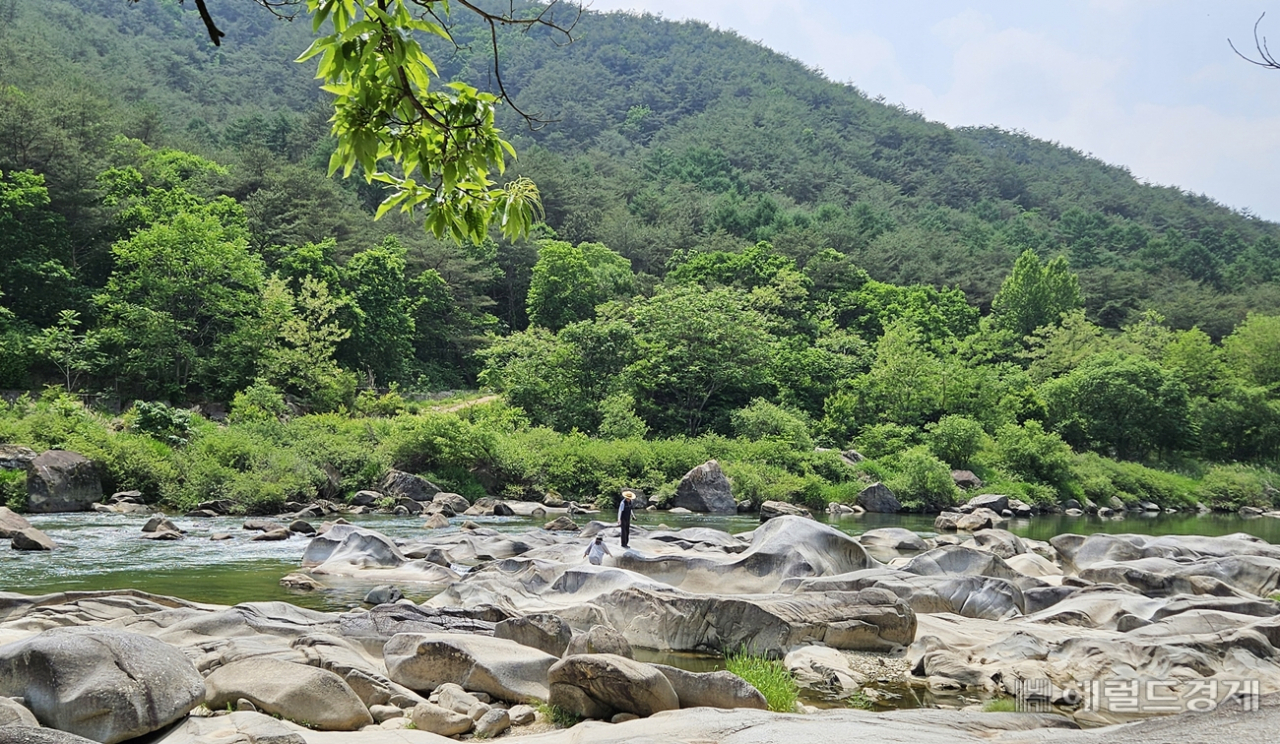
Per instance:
(105,551)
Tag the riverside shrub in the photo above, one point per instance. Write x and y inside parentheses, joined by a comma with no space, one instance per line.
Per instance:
(922,481)
(489,448)
(1229,487)
(1033,454)
(13,489)
(955,439)
(881,440)
(1100,479)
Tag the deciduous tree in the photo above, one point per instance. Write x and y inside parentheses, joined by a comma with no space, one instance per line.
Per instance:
(1035,294)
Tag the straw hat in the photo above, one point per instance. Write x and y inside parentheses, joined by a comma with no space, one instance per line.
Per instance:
(628,495)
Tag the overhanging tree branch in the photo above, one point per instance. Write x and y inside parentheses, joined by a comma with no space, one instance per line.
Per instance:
(436,147)
(1265,58)
(215,35)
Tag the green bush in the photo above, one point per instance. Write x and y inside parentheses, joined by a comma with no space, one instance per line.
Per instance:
(16,358)
(618,419)
(369,403)
(13,489)
(353,447)
(168,424)
(131,462)
(247,464)
(435,441)
(955,439)
(260,460)
(583,468)
(261,401)
(1036,493)
(1033,454)
(1100,479)
(770,677)
(840,493)
(1229,487)
(761,482)
(882,440)
(922,481)
(50,422)
(1095,480)
(765,420)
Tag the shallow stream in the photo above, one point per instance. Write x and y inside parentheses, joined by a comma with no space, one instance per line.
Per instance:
(105,551)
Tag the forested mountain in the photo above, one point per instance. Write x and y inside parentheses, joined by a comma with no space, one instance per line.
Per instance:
(732,244)
(673,137)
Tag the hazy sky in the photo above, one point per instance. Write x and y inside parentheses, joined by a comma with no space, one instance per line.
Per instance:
(1149,84)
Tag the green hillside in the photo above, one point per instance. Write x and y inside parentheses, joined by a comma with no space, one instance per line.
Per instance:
(672,137)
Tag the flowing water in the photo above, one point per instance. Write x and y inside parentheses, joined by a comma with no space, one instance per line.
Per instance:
(105,551)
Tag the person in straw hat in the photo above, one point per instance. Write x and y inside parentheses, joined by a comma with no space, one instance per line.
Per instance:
(624,515)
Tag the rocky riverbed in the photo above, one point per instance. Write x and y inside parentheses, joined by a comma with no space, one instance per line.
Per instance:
(1086,630)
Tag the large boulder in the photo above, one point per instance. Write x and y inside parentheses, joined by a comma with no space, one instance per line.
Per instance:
(436,719)
(352,544)
(893,538)
(366,498)
(1002,543)
(483,507)
(561,523)
(240,727)
(62,481)
(782,548)
(493,723)
(19,734)
(13,713)
(600,639)
(868,620)
(619,684)
(31,539)
(158,523)
(455,502)
(104,684)
(14,457)
(314,697)
(407,485)
(706,489)
(544,631)
(979,519)
(878,499)
(458,700)
(771,509)
(712,689)
(993,501)
(825,670)
(501,668)
(11,522)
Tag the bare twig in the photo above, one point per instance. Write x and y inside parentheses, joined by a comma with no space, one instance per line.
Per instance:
(545,19)
(1265,58)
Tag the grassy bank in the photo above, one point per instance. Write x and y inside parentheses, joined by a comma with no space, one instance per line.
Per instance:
(260,460)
